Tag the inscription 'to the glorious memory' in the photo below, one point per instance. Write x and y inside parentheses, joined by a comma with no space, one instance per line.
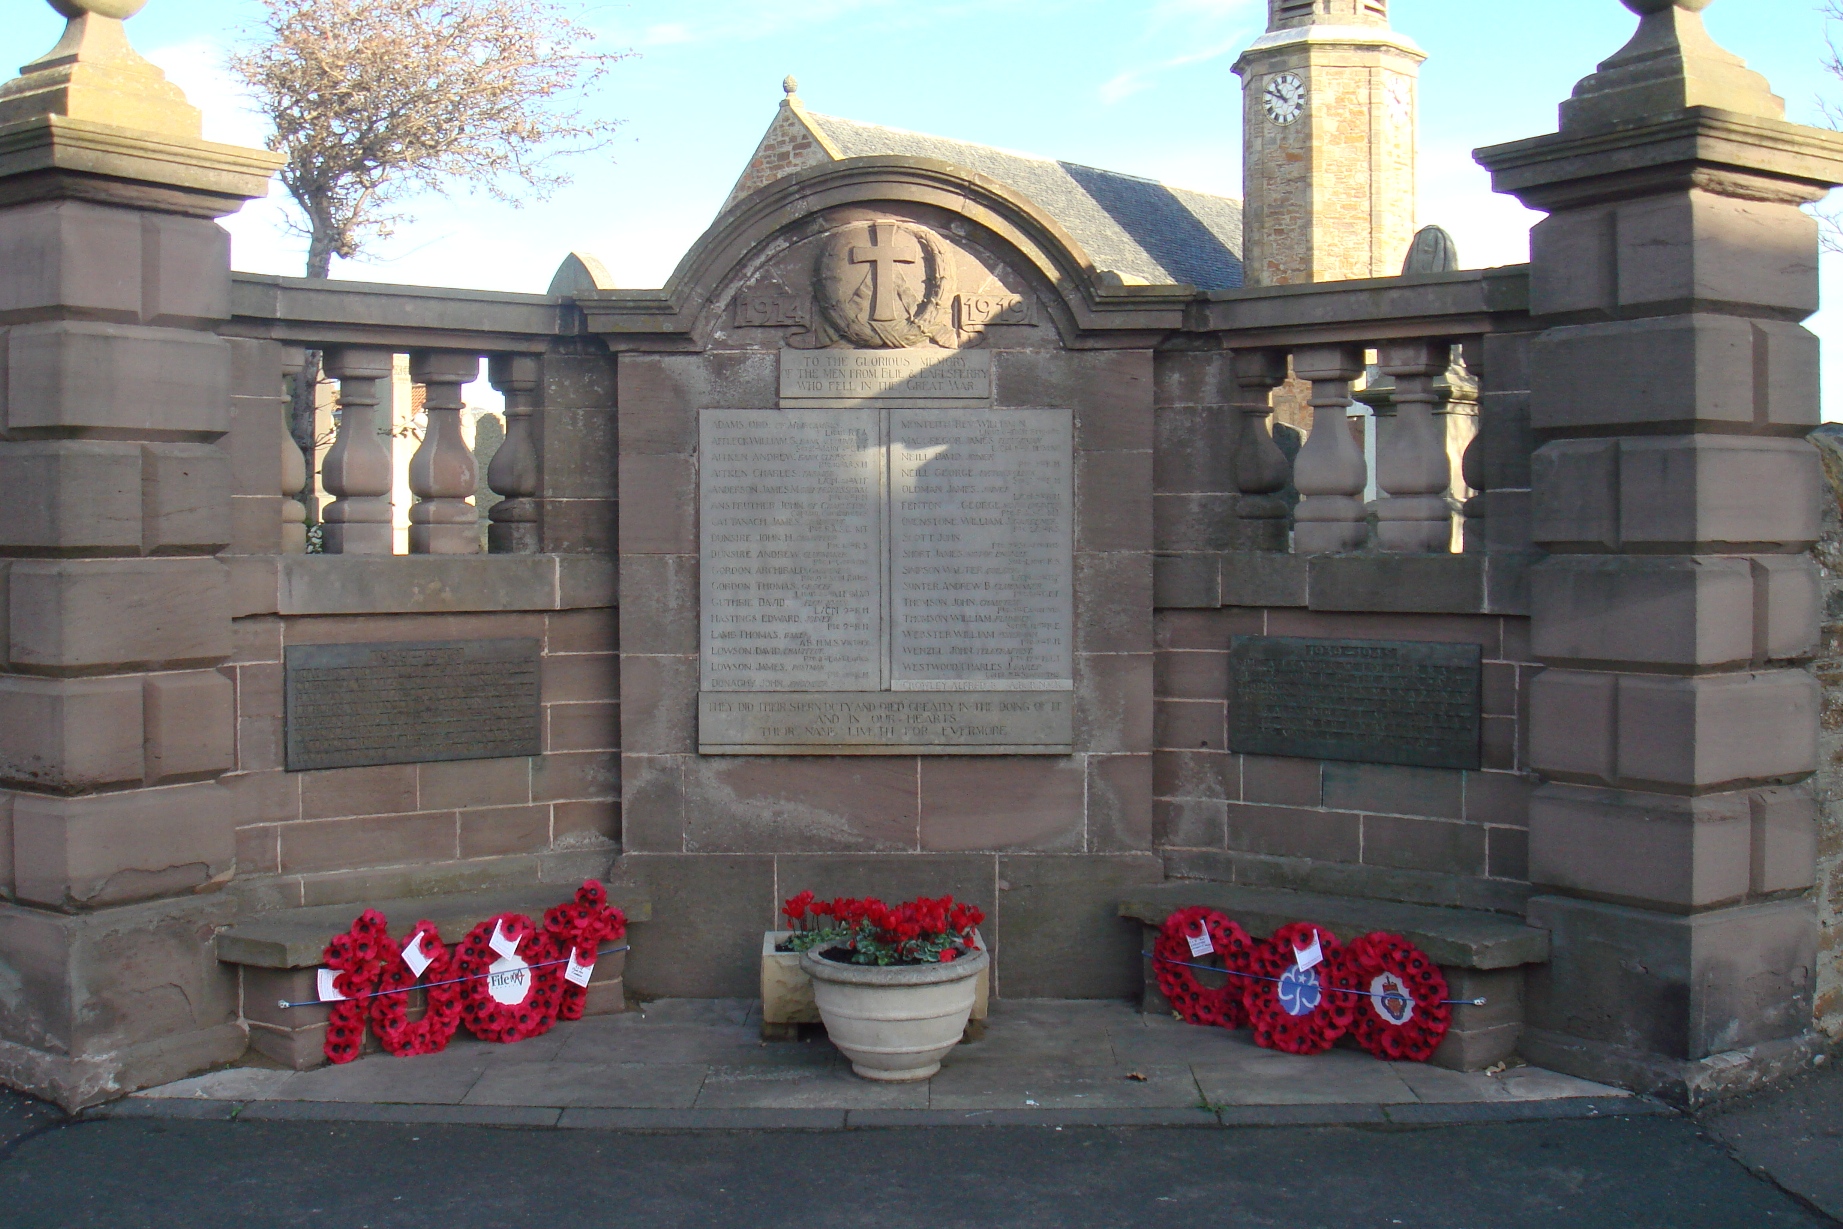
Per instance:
(1372,701)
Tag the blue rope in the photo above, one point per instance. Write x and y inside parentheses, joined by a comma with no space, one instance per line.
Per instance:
(359,998)
(1367,994)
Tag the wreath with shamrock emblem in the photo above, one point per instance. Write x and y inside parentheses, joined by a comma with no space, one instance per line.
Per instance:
(1299,1011)
(1177,948)
(1405,1015)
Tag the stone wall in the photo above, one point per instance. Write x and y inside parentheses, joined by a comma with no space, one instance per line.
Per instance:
(1829,668)
(1426,834)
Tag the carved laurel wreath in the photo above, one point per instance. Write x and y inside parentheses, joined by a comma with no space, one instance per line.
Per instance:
(845,294)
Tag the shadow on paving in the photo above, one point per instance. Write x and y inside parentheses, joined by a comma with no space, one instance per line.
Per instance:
(1632,1173)
(1792,1134)
(21,1116)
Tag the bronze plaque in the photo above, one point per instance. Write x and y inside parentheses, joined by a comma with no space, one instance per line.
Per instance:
(1374,701)
(353,705)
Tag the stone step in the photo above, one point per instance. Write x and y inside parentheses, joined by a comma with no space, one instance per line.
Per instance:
(1452,938)
(296,938)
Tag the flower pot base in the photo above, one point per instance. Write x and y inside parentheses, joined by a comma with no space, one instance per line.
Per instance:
(911,1075)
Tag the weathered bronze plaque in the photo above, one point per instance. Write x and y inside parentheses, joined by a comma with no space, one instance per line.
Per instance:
(1375,701)
(352,705)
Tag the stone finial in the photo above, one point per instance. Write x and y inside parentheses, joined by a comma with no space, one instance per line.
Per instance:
(1433,251)
(94,74)
(1670,64)
(790,86)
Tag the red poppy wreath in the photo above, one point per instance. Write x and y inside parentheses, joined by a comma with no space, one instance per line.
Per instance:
(1190,937)
(1405,1014)
(1295,1003)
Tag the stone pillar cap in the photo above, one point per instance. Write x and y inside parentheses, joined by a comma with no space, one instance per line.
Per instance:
(95,74)
(1670,64)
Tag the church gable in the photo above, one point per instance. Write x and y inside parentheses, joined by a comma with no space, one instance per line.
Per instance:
(792,144)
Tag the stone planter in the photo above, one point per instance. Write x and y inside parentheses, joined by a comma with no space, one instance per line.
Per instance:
(787,992)
(895,1022)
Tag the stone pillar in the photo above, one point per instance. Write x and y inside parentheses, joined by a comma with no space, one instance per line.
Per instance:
(116,496)
(1261,468)
(1672,843)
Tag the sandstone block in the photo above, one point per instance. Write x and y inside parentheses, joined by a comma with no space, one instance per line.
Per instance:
(1675,370)
(1677,852)
(83,613)
(1673,610)
(70,495)
(1572,719)
(1687,493)
(71,255)
(1683,987)
(191,728)
(70,735)
(658,505)
(186,491)
(1002,803)
(1717,489)
(1784,839)
(187,279)
(1673,251)
(74,375)
(114,849)
(1713,729)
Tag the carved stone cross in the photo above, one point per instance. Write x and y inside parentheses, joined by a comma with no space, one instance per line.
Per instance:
(884,256)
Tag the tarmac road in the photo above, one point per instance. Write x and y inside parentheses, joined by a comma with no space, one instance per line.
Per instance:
(1630,1173)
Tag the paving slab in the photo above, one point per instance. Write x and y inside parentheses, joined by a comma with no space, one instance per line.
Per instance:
(835,1086)
(603,1085)
(703,1060)
(985,1084)
(1792,1135)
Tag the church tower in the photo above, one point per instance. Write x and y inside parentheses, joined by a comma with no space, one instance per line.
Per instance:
(1329,143)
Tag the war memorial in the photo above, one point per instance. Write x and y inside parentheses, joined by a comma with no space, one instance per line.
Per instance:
(951,522)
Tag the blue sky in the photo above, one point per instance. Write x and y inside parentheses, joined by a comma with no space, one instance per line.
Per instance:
(1141,86)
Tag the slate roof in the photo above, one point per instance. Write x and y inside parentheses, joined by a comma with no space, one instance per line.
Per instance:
(1136,227)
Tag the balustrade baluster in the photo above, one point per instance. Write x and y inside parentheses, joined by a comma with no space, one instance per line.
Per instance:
(513,472)
(1412,465)
(1329,472)
(1261,468)
(294,468)
(443,473)
(1497,462)
(357,469)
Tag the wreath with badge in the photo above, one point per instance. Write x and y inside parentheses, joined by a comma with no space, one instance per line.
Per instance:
(508,980)
(1300,990)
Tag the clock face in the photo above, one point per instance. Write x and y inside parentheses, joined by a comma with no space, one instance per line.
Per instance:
(1401,97)
(1284,98)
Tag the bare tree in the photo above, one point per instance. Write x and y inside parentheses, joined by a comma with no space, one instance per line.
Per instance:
(374,100)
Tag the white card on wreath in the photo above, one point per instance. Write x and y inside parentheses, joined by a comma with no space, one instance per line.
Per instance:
(507,948)
(578,973)
(325,990)
(413,957)
(1310,957)
(1200,945)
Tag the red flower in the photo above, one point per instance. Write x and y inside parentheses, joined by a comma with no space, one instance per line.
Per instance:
(950,955)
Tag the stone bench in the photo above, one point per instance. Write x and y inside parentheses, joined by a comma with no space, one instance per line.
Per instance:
(1483,955)
(277,953)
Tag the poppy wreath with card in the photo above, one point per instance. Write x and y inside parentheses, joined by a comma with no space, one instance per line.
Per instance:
(357,959)
(1404,1014)
(579,928)
(1294,1009)
(1181,943)
(511,987)
(390,1009)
